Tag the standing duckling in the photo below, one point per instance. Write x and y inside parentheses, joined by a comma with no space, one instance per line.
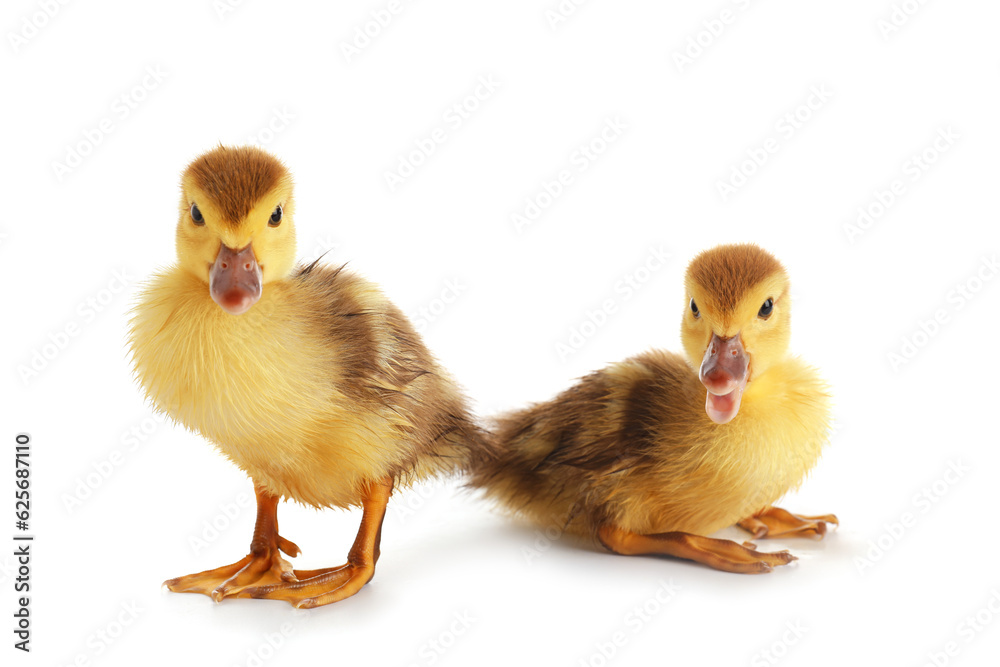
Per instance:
(651,454)
(308,378)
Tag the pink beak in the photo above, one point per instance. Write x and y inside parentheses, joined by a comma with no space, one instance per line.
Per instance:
(724,374)
(234,280)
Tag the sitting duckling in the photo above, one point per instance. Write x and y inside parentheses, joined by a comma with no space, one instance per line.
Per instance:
(307,378)
(651,454)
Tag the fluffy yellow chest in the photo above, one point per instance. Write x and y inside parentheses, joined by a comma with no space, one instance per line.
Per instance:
(261,386)
(776,440)
(718,474)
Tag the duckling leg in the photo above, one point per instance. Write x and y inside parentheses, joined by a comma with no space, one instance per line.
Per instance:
(314,588)
(776,522)
(723,555)
(263,564)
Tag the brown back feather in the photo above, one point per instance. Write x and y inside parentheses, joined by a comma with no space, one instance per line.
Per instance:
(385,364)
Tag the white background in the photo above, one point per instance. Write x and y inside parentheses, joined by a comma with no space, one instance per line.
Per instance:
(237,76)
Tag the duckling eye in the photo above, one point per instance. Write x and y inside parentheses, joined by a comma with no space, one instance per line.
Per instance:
(694,309)
(196,215)
(765,309)
(275,217)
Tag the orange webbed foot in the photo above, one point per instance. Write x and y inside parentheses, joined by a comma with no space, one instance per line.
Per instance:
(264,565)
(314,588)
(776,522)
(724,555)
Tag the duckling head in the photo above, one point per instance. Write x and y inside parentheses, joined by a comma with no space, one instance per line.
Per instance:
(235,230)
(736,321)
